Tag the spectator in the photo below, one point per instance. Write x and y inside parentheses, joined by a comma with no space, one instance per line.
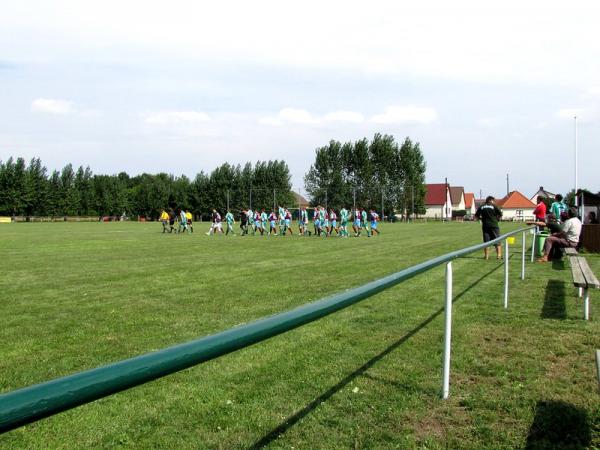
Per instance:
(558,206)
(592,219)
(540,212)
(568,237)
(489,214)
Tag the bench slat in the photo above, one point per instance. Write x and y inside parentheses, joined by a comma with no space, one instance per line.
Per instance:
(571,251)
(578,277)
(589,276)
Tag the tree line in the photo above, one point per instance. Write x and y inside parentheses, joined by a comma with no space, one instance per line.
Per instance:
(30,190)
(369,173)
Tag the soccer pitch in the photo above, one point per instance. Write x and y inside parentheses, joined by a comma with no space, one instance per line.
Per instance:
(79,295)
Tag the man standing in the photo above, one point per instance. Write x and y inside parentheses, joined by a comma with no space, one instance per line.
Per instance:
(558,207)
(489,214)
(540,212)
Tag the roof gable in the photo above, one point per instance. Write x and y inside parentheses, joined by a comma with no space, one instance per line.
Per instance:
(456,193)
(435,194)
(469,199)
(515,199)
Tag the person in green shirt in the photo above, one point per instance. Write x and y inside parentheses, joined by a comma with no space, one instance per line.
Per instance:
(558,207)
(363,222)
(489,214)
(230,221)
(344,222)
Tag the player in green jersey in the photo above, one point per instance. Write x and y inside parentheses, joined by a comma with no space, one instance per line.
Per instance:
(230,221)
(344,222)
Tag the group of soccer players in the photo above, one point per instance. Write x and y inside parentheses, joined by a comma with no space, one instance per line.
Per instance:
(184,218)
(279,222)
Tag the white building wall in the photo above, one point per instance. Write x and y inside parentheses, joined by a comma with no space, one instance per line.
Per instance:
(517,214)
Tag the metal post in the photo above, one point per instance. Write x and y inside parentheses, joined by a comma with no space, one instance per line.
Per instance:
(227,199)
(412,211)
(586,304)
(325,200)
(505,274)
(523,241)
(354,198)
(250,206)
(382,214)
(274,200)
(576,180)
(447,333)
(533,246)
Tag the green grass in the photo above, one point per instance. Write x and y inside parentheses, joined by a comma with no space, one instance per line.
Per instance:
(77,295)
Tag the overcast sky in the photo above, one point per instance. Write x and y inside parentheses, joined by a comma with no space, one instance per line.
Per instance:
(144,86)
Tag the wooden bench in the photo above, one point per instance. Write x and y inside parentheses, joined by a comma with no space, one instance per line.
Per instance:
(584,279)
(571,251)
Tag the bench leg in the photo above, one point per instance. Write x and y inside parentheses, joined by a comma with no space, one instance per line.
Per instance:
(580,292)
(586,304)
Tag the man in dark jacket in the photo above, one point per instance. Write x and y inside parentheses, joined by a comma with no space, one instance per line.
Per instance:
(489,214)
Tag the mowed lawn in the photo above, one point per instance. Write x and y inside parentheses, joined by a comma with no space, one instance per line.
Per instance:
(78,295)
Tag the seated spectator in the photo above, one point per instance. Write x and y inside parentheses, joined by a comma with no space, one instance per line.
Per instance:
(591,218)
(568,237)
(553,225)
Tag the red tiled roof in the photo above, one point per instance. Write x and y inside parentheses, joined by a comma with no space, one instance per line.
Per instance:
(469,199)
(436,194)
(515,199)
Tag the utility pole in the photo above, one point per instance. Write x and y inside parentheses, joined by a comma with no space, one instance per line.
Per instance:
(446,200)
(354,197)
(250,197)
(576,174)
(382,214)
(227,199)
(412,210)
(507,185)
(274,201)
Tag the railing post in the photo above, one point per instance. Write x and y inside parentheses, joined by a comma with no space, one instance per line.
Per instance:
(505,274)
(447,332)
(586,304)
(533,245)
(523,241)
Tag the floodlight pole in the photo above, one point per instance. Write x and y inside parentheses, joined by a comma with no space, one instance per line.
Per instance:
(576,174)
(505,274)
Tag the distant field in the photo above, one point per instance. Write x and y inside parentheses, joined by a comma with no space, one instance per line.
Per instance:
(79,295)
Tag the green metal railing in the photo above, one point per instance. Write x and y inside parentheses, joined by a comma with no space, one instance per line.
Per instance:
(35,402)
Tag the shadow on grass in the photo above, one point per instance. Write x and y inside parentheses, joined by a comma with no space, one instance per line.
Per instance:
(554,301)
(295,418)
(558,264)
(559,424)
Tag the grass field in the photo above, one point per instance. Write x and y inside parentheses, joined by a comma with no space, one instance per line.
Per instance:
(79,295)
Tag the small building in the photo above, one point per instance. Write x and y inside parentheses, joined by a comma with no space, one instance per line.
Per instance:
(542,193)
(438,203)
(470,204)
(515,206)
(300,201)
(457,195)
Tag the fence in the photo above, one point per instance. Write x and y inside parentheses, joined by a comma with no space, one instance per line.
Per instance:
(35,402)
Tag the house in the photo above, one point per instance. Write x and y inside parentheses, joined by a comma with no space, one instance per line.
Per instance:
(300,201)
(515,206)
(438,203)
(457,195)
(470,204)
(542,193)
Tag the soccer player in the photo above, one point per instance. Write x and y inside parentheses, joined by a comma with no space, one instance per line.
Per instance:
(257,222)
(164,218)
(230,221)
(333,222)
(272,223)
(316,220)
(288,222)
(281,214)
(343,222)
(356,222)
(303,222)
(171,220)
(216,223)
(364,223)
(323,221)
(374,220)
(250,215)
(263,220)
(189,217)
(244,222)
(182,222)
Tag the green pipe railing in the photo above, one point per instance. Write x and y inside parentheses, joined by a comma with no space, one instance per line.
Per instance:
(26,405)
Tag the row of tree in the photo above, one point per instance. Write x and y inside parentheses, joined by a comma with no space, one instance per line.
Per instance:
(28,189)
(369,174)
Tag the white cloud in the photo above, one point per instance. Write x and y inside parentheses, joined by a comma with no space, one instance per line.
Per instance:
(294,115)
(594,91)
(406,114)
(52,106)
(344,116)
(176,117)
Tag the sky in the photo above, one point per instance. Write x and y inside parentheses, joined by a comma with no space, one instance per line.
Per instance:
(486,88)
